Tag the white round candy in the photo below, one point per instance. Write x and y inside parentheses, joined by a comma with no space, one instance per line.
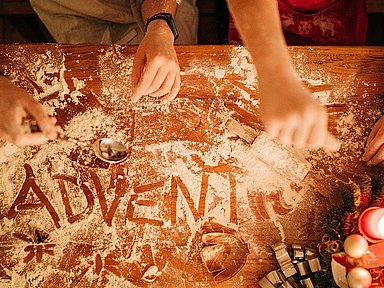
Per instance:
(355,246)
(359,278)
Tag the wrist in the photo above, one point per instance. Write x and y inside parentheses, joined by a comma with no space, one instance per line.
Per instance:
(274,64)
(270,56)
(161,18)
(160,27)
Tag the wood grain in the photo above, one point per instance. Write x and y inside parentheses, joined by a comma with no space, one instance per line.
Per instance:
(348,81)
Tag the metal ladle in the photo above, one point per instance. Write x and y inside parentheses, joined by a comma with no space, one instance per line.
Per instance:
(106,149)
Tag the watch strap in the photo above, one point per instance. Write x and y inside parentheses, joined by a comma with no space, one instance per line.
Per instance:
(168,18)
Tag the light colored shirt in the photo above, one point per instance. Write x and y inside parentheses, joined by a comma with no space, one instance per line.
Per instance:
(107,21)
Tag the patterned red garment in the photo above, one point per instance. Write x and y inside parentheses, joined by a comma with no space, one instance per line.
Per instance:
(319,22)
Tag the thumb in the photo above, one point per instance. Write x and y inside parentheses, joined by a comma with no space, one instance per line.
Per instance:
(137,69)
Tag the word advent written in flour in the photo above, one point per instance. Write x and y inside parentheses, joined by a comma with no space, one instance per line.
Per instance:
(175,193)
(176,188)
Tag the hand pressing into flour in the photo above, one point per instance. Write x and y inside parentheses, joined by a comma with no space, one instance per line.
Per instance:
(17,104)
(291,114)
(156,71)
(288,110)
(374,149)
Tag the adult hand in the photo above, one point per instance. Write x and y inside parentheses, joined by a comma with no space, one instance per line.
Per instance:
(15,105)
(288,110)
(374,149)
(156,71)
(290,113)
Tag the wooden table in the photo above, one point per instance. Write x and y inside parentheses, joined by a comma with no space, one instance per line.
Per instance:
(69,220)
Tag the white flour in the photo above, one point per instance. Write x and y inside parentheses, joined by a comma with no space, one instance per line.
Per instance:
(236,184)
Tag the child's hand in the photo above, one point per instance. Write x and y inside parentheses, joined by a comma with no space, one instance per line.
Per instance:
(291,114)
(15,105)
(374,149)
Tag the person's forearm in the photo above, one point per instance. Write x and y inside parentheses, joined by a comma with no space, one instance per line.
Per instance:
(258,22)
(301,121)
(152,7)
(156,70)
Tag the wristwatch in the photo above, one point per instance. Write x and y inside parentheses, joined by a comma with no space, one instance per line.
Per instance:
(168,18)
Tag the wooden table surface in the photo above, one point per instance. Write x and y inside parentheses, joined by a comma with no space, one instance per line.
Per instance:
(69,220)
